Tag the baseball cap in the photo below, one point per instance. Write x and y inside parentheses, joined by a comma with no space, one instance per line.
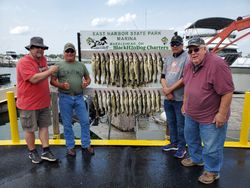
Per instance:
(69,46)
(196,41)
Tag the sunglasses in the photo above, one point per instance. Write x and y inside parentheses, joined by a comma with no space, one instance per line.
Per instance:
(195,50)
(175,44)
(37,47)
(70,51)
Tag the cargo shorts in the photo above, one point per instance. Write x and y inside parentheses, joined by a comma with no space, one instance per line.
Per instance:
(32,119)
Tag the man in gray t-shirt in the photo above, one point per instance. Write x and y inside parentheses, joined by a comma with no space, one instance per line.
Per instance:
(172,84)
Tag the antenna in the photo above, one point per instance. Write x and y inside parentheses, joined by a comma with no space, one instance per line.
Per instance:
(145,18)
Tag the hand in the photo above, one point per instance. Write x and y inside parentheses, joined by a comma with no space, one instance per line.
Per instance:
(183,110)
(85,83)
(66,85)
(170,96)
(219,120)
(53,68)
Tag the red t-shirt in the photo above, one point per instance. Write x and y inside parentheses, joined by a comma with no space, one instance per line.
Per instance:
(31,96)
(204,88)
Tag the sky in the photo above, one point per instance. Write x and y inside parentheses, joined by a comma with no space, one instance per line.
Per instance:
(58,21)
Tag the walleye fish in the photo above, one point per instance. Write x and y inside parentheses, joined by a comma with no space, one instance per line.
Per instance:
(118,104)
(141,69)
(139,94)
(95,102)
(144,102)
(116,68)
(135,103)
(145,60)
(131,69)
(104,101)
(121,69)
(109,105)
(112,69)
(103,68)
(136,69)
(122,101)
(126,102)
(126,69)
(153,101)
(149,105)
(93,65)
(113,103)
(158,101)
(99,94)
(107,68)
(154,67)
(98,68)
(159,64)
(130,100)
(150,68)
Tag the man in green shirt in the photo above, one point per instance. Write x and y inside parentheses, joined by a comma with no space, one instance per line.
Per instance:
(72,77)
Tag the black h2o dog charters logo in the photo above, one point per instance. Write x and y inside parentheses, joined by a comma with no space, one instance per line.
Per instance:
(97,44)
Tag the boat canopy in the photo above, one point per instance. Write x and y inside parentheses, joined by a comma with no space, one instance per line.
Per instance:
(216,23)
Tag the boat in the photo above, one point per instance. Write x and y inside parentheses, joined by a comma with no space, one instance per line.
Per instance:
(219,34)
(9,59)
(4,78)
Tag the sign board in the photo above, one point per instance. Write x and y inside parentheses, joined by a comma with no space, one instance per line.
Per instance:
(126,40)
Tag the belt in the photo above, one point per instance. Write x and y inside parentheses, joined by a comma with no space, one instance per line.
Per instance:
(72,93)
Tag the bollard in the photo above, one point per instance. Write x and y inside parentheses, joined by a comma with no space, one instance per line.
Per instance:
(245,120)
(12,116)
(55,115)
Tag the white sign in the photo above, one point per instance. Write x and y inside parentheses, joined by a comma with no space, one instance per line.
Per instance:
(126,40)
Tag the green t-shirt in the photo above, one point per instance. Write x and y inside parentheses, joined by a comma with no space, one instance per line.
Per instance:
(73,73)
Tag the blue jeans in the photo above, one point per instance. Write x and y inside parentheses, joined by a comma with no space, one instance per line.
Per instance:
(68,104)
(213,140)
(175,120)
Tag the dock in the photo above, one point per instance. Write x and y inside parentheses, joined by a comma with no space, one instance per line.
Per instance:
(4,78)
(116,167)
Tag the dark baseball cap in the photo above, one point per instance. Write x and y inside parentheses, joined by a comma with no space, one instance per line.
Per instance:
(196,41)
(176,39)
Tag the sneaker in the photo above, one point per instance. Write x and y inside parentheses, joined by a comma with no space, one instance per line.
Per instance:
(71,152)
(34,157)
(188,162)
(89,150)
(180,153)
(48,155)
(208,177)
(170,147)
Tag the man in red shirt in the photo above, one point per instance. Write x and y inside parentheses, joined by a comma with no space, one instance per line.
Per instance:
(207,97)
(33,98)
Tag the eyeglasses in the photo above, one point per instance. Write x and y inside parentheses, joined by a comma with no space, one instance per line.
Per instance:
(175,44)
(70,51)
(195,50)
(38,47)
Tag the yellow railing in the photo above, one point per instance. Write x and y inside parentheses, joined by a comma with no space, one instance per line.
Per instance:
(243,143)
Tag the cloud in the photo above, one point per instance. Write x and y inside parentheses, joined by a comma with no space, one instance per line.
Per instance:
(127,18)
(20,30)
(101,21)
(116,2)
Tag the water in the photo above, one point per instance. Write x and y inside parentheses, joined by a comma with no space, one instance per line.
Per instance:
(12,72)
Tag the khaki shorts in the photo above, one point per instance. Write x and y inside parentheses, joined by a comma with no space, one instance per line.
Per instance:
(32,119)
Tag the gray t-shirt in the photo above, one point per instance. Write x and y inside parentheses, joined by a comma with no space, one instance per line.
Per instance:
(173,70)
(73,73)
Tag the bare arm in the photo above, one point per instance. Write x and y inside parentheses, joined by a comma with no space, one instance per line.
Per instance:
(43,75)
(221,116)
(86,81)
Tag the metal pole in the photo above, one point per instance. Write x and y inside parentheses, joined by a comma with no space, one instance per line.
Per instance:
(109,122)
(12,116)
(245,120)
